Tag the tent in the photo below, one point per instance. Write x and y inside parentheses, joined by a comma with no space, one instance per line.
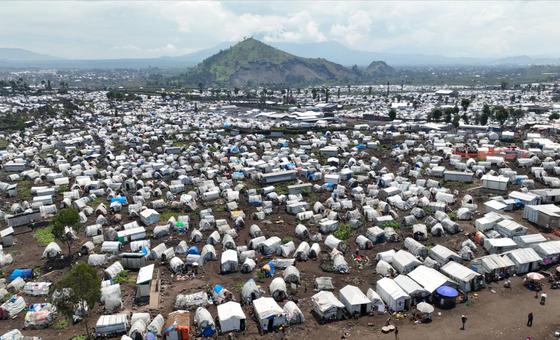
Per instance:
(355,301)
(467,279)
(229,261)
(204,322)
(231,317)
(326,306)
(429,278)
(268,313)
(250,292)
(293,314)
(394,297)
(278,289)
(376,301)
(404,262)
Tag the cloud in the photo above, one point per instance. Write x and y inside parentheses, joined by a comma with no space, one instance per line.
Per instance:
(106,29)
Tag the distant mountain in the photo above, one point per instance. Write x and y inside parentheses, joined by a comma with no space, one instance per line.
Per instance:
(251,62)
(19,54)
(378,69)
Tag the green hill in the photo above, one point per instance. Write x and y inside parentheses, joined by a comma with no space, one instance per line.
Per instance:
(251,62)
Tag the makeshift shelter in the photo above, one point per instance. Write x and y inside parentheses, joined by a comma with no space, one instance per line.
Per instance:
(269,314)
(111,325)
(404,262)
(355,301)
(416,292)
(229,262)
(467,279)
(376,301)
(394,297)
(429,278)
(525,260)
(204,322)
(250,292)
(278,289)
(178,325)
(294,316)
(327,307)
(231,317)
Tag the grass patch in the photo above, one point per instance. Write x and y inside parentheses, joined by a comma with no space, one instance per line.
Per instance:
(260,276)
(94,203)
(44,236)
(79,337)
(123,277)
(392,224)
(287,239)
(165,215)
(238,286)
(453,216)
(24,189)
(61,324)
(4,143)
(344,231)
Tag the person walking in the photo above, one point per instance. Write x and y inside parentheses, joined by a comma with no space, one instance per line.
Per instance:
(463,322)
(396,333)
(530,320)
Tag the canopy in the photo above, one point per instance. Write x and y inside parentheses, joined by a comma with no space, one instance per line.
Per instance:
(424,307)
(447,291)
(535,276)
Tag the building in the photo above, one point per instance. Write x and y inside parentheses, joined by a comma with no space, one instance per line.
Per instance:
(546,215)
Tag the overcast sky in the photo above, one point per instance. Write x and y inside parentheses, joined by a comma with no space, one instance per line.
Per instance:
(105,29)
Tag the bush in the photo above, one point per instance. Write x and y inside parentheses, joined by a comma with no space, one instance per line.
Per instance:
(453,216)
(287,239)
(392,224)
(343,232)
(122,277)
(44,236)
(61,324)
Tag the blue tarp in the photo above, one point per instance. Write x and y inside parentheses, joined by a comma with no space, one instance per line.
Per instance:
(234,149)
(238,175)
(208,331)
(121,199)
(361,146)
(193,250)
(218,289)
(290,166)
(272,269)
(23,273)
(447,291)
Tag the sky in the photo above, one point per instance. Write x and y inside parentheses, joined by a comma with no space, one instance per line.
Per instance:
(139,29)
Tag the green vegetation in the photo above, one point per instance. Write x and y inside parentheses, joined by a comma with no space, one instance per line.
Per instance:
(24,189)
(79,337)
(453,216)
(121,96)
(94,203)
(44,236)
(260,276)
(123,277)
(67,217)
(392,224)
(61,324)
(553,116)
(428,211)
(167,214)
(287,239)
(4,143)
(344,231)
(80,285)
(392,114)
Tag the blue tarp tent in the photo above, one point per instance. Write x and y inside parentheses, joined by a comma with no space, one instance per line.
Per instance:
(238,175)
(23,273)
(361,146)
(448,292)
(193,250)
(121,199)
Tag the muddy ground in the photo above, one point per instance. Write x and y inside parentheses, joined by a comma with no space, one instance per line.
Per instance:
(495,312)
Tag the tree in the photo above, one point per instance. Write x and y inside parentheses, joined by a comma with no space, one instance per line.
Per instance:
(67,217)
(78,288)
(486,110)
(484,119)
(436,114)
(554,116)
(369,90)
(448,116)
(465,104)
(392,114)
(456,120)
(501,114)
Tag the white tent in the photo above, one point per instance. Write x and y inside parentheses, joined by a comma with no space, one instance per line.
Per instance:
(467,279)
(327,306)
(355,301)
(394,297)
(229,262)
(429,278)
(376,300)
(231,317)
(268,313)
(404,262)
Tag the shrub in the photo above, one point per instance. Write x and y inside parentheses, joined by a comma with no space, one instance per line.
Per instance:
(393,224)
(343,232)
(287,239)
(61,324)
(44,236)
